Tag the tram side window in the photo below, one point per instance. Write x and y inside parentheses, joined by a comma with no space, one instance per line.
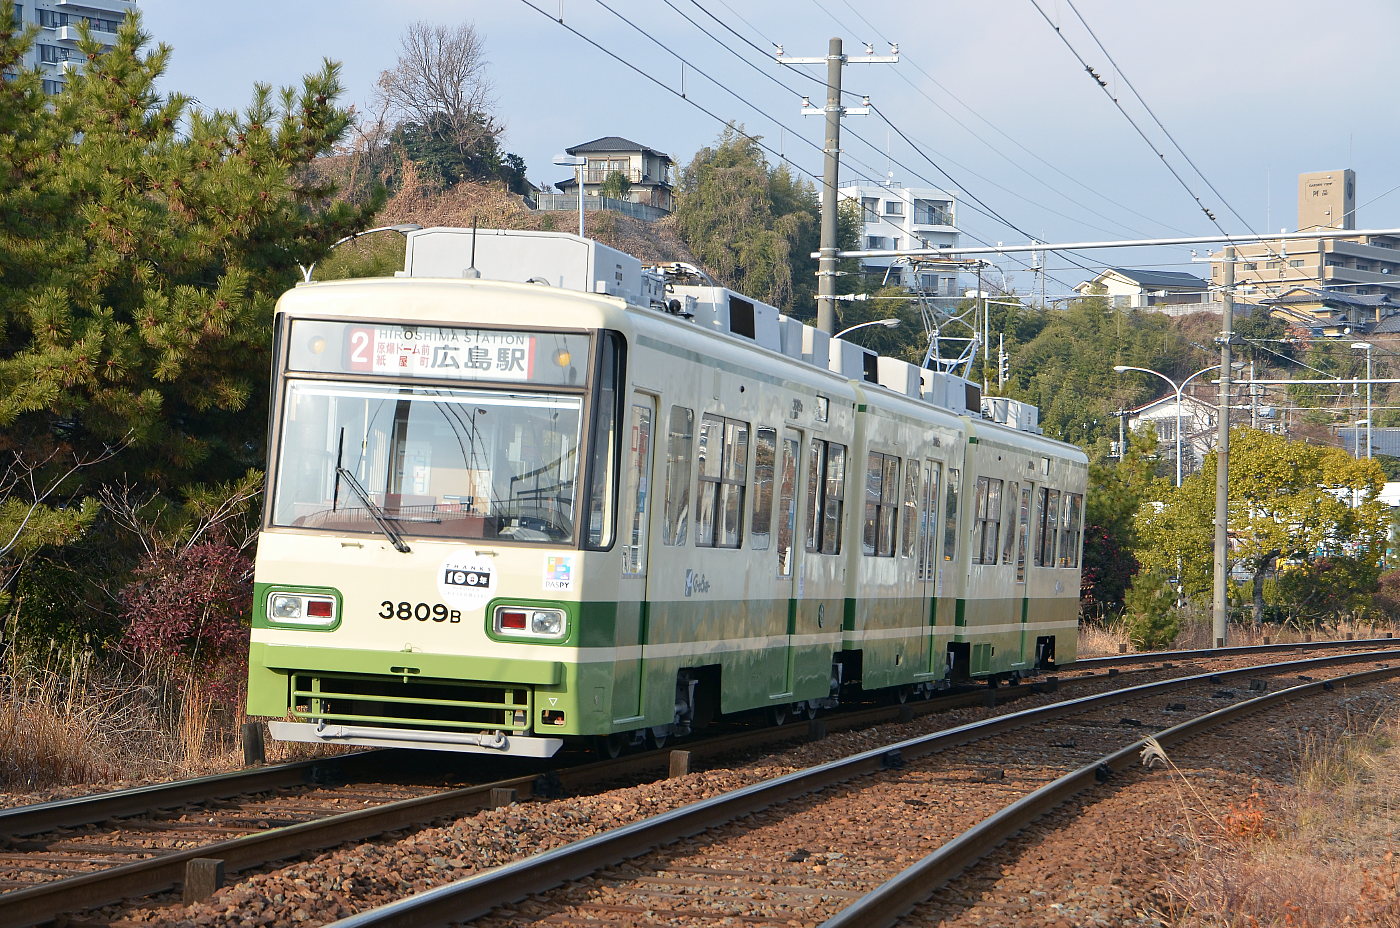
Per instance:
(604,466)
(787,504)
(1069,534)
(826,496)
(638,466)
(1008,522)
(679,446)
(764,467)
(910,527)
(987,513)
(1047,532)
(719,498)
(1024,533)
(950,516)
(881,504)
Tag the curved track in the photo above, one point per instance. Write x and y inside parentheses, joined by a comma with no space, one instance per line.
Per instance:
(758,870)
(253,818)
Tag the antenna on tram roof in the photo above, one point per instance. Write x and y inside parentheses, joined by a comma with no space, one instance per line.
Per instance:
(471,271)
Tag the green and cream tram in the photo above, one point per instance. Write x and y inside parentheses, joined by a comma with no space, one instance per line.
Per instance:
(528,491)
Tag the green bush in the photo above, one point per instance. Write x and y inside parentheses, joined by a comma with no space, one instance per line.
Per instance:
(1150,611)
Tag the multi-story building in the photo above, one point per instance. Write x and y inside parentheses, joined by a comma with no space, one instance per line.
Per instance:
(896,217)
(1361,265)
(55,50)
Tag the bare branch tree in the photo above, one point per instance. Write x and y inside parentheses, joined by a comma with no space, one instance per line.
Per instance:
(21,481)
(441,76)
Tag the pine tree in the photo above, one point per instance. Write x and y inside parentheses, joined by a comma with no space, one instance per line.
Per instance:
(749,225)
(142,245)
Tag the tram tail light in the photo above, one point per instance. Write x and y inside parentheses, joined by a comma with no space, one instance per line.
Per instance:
(515,621)
(320,608)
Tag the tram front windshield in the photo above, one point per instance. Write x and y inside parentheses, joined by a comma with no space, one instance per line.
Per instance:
(453,463)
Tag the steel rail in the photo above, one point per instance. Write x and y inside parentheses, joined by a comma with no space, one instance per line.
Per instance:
(38,905)
(887,903)
(85,810)
(1144,657)
(476,896)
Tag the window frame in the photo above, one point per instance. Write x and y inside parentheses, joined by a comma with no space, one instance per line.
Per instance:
(720,490)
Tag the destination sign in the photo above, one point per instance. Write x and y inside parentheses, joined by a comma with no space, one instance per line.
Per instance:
(437,352)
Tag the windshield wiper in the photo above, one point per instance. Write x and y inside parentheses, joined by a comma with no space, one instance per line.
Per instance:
(380,517)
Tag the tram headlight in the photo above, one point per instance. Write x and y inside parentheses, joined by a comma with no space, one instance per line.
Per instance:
(547,622)
(283,606)
(303,610)
(529,622)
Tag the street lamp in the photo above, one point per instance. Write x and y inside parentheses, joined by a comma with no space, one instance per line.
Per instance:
(402,228)
(1367,346)
(577,163)
(1178,388)
(887,323)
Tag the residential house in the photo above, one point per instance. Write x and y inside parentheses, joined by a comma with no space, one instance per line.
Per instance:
(647,170)
(1332,312)
(1198,427)
(1170,292)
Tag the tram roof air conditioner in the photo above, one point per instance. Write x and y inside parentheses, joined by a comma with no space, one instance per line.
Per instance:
(1016,414)
(559,259)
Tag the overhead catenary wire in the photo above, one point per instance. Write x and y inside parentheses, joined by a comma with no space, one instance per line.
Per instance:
(984,210)
(1103,86)
(752,138)
(1148,109)
(1014,141)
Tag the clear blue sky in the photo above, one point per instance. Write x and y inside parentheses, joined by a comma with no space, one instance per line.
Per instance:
(1254,92)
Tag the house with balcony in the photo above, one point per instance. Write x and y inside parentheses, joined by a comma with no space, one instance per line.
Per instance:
(648,171)
(55,50)
(895,218)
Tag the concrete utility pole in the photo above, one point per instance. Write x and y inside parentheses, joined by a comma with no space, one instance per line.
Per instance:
(1220,608)
(826,256)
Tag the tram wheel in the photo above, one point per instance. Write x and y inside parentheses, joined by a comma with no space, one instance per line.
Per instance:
(610,747)
(777,715)
(659,736)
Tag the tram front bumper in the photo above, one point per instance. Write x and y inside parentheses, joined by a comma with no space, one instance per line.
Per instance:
(492,742)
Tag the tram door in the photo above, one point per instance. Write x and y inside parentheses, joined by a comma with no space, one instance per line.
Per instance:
(630,625)
(788,492)
(1023,534)
(926,552)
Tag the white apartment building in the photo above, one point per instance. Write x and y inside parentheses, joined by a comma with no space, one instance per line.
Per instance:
(898,217)
(55,49)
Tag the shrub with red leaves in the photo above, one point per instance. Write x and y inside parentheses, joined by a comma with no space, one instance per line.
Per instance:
(1386,599)
(187,609)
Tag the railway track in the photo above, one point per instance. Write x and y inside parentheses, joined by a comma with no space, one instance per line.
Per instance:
(859,841)
(54,858)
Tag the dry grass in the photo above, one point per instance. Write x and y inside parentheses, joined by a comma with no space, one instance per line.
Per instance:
(1325,856)
(91,724)
(1101,639)
(98,724)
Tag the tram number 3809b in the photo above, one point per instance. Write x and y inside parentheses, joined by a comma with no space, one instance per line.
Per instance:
(437,612)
